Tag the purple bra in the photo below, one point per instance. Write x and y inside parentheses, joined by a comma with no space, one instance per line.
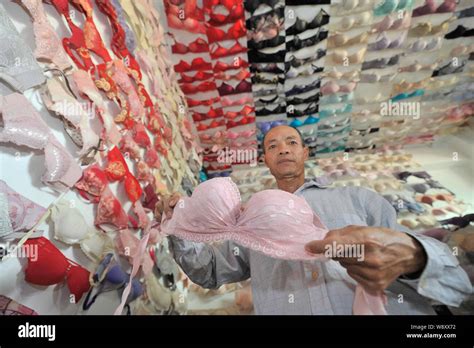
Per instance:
(242,87)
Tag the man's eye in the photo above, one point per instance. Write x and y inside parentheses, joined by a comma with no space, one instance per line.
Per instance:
(271,147)
(293,142)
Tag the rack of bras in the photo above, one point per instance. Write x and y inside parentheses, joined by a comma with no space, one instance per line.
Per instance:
(125,114)
(350,74)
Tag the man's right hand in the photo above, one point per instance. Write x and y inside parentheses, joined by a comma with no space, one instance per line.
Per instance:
(166,206)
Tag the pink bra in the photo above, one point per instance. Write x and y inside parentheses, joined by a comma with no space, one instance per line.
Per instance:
(273,222)
(17,213)
(22,125)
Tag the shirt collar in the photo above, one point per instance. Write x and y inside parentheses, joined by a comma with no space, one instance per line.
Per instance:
(310,183)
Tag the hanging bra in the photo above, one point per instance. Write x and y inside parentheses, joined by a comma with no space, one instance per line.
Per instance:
(307,100)
(385,43)
(24,126)
(296,62)
(449,68)
(335,74)
(247,110)
(340,40)
(296,43)
(336,99)
(305,72)
(299,89)
(220,51)
(196,64)
(252,5)
(233,33)
(300,26)
(276,41)
(199,76)
(197,46)
(48,44)
(266,126)
(312,108)
(279,109)
(268,68)
(242,87)
(214,124)
(376,77)
(50,267)
(70,227)
(265,27)
(275,100)
(340,57)
(257,78)
(425,45)
(212,113)
(190,9)
(17,213)
(389,6)
(130,39)
(188,23)
(257,56)
(241,75)
(235,9)
(202,87)
(206,102)
(19,77)
(332,87)
(227,101)
(350,6)
(426,28)
(418,67)
(308,121)
(389,23)
(332,112)
(401,96)
(467,12)
(350,22)
(236,64)
(244,121)
(460,31)
(430,7)
(381,63)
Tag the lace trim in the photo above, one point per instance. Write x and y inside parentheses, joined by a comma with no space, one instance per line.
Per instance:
(235,189)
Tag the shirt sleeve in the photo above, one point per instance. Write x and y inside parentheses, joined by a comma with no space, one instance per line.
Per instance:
(442,279)
(211,266)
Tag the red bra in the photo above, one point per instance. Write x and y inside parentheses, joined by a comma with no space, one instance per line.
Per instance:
(202,87)
(233,33)
(117,169)
(190,9)
(197,46)
(224,52)
(242,87)
(241,75)
(51,267)
(235,8)
(210,167)
(212,113)
(213,124)
(245,120)
(199,76)
(206,102)
(236,64)
(196,64)
(227,101)
(246,111)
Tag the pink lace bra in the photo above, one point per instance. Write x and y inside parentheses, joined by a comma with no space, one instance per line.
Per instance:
(22,125)
(273,222)
(17,213)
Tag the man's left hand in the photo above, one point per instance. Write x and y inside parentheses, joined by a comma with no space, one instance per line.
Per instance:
(387,254)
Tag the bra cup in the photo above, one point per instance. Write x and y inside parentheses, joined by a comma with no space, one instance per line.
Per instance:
(69,225)
(346,23)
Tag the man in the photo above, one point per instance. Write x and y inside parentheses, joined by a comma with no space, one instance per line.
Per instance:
(411,268)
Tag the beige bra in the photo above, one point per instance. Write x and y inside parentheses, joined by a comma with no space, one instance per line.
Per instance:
(342,58)
(426,28)
(349,22)
(339,40)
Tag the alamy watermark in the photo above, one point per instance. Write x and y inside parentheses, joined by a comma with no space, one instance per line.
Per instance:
(390,108)
(24,251)
(345,250)
(230,156)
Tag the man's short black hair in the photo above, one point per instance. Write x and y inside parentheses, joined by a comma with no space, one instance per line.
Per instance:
(296,129)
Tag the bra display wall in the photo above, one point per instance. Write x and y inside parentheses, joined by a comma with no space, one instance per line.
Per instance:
(350,75)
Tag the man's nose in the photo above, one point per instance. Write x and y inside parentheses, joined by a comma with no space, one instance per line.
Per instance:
(283,150)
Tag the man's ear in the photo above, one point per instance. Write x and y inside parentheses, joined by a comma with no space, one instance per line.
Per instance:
(306,153)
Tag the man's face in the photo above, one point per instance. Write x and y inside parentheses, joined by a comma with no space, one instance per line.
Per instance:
(284,152)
